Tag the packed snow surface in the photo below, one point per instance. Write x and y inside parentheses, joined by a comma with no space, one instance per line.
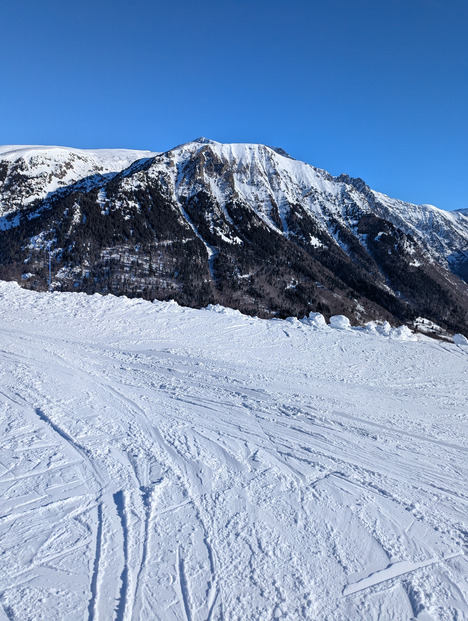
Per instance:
(160,462)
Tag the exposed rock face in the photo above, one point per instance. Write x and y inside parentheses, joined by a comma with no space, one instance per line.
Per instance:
(246,226)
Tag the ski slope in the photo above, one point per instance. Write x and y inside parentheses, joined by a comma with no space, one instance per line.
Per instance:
(160,462)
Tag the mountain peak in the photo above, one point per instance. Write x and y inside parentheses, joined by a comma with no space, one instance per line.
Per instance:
(203,140)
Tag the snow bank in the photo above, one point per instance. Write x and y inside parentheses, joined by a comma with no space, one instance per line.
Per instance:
(459,339)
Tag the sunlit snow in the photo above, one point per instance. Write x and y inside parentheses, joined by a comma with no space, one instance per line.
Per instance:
(160,462)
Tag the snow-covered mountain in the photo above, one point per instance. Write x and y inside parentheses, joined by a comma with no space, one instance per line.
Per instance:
(164,464)
(241,224)
(31,173)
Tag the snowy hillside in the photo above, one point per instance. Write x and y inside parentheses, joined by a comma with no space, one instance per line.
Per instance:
(31,173)
(160,462)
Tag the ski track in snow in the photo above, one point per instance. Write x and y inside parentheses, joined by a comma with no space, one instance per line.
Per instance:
(166,463)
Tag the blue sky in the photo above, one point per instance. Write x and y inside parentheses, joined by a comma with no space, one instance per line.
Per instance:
(374,88)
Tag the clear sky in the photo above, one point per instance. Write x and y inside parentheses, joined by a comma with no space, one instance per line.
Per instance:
(374,88)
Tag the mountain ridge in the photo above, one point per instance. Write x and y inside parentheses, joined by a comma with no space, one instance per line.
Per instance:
(248,226)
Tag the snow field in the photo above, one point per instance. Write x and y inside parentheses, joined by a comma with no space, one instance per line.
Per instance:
(159,462)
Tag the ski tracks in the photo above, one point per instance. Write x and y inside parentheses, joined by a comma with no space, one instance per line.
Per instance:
(174,480)
(199,491)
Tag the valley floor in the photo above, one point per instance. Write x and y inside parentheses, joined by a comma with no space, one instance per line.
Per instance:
(158,462)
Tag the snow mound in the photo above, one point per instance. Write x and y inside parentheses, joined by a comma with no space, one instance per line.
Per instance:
(459,339)
(316,320)
(385,328)
(340,322)
(222,310)
(293,320)
(403,333)
(371,327)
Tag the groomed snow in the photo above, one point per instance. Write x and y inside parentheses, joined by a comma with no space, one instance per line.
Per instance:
(159,462)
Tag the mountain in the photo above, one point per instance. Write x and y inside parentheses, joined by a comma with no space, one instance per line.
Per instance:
(244,225)
(31,173)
